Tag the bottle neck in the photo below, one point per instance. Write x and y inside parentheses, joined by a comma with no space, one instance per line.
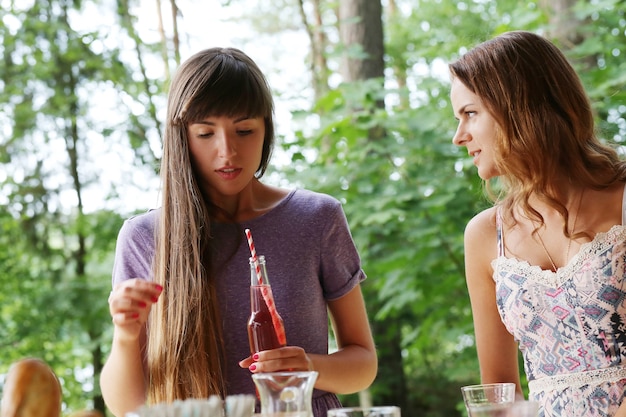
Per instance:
(258,272)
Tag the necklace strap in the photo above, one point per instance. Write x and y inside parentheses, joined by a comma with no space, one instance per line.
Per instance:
(499,232)
(624,206)
(554,268)
(569,241)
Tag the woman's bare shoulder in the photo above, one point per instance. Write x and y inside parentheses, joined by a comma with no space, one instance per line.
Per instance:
(482,223)
(480,243)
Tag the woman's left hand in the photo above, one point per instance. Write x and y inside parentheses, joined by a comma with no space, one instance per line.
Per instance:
(289,358)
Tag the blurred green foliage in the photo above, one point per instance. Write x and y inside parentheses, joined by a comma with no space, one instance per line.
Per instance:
(407,194)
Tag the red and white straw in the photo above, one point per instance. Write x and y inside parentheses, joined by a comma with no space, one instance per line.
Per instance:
(278,326)
(257,266)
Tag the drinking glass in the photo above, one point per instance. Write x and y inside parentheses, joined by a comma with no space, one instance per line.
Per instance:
(381,411)
(488,400)
(285,394)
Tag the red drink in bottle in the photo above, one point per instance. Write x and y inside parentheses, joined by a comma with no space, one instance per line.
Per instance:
(265,326)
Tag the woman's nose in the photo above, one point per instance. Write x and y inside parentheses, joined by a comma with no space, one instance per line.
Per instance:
(460,136)
(226,146)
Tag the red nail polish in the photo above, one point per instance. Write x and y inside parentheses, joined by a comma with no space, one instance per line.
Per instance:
(155,299)
(252,367)
(255,357)
(142,304)
(158,287)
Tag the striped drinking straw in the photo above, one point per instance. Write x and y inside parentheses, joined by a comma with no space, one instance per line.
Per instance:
(278,326)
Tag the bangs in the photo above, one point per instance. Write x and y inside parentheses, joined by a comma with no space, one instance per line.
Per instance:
(231,90)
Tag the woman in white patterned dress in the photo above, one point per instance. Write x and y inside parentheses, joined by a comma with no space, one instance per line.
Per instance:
(546,265)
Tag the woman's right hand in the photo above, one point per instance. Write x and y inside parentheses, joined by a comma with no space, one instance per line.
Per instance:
(129,304)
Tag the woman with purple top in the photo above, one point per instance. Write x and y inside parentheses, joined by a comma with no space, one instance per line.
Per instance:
(185,265)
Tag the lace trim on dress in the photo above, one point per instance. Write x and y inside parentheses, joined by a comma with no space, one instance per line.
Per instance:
(577,380)
(601,242)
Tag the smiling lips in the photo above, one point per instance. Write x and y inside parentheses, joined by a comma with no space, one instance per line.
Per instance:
(475,155)
(228,173)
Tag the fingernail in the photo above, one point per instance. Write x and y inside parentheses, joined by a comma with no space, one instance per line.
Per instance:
(252,367)
(142,304)
(155,299)
(255,357)
(158,287)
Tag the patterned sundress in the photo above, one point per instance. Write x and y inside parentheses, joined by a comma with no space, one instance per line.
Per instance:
(570,324)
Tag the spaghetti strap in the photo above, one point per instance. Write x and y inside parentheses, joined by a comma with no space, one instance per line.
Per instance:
(499,232)
(624,206)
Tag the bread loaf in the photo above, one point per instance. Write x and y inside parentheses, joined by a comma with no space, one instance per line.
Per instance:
(31,389)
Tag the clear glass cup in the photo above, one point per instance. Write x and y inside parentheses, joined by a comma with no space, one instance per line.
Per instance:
(381,411)
(489,400)
(285,394)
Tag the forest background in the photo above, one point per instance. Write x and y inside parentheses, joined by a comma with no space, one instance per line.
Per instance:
(367,120)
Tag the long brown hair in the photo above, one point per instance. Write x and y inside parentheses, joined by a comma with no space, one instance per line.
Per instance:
(185,350)
(545,122)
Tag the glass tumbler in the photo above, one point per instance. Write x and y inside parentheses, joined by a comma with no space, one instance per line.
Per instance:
(488,400)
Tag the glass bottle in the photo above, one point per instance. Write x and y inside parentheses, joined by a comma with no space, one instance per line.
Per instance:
(265,326)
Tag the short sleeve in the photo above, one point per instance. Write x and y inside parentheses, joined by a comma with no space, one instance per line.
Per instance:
(340,261)
(134,250)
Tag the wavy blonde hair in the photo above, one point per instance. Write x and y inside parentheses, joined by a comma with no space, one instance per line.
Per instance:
(545,122)
(185,348)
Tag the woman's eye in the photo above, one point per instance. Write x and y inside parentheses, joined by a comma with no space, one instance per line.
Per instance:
(205,134)
(470,113)
(244,132)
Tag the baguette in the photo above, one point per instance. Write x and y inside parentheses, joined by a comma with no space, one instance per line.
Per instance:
(31,389)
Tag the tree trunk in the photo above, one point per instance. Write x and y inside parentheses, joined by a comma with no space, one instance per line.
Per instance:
(390,365)
(565,28)
(563,22)
(175,35)
(361,31)
(127,23)
(318,65)
(98,362)
(400,73)
(161,29)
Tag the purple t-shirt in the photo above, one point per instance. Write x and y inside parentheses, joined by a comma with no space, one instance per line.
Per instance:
(310,257)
